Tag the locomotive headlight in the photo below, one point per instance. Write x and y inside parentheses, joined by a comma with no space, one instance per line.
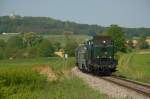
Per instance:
(89,43)
(104,41)
(85,48)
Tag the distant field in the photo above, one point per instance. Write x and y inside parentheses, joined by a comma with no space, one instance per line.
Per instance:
(5,37)
(135,66)
(18,80)
(62,38)
(58,38)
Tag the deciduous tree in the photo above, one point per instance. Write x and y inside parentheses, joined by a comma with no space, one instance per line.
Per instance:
(31,39)
(45,48)
(117,35)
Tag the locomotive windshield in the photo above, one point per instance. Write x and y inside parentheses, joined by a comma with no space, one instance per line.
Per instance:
(102,47)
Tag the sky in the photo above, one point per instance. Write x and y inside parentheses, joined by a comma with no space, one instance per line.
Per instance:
(125,13)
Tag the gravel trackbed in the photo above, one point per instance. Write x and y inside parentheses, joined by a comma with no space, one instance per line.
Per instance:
(111,89)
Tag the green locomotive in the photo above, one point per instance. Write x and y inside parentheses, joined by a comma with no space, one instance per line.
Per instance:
(97,55)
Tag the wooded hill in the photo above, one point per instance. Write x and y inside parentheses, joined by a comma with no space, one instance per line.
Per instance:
(48,25)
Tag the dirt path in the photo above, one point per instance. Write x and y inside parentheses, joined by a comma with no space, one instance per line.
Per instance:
(108,88)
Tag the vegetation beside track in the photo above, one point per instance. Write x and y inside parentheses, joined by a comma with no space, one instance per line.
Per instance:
(18,80)
(62,38)
(135,66)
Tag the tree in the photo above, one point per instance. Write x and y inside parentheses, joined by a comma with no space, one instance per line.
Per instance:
(45,49)
(31,39)
(118,37)
(70,47)
(57,46)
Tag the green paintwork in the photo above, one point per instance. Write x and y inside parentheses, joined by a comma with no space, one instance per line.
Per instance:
(98,51)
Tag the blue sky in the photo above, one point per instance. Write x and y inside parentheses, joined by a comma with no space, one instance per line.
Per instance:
(127,13)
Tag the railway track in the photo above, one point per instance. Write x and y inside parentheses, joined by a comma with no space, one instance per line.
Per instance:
(115,86)
(133,85)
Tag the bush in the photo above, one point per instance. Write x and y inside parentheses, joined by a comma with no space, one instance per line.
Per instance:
(31,39)
(118,37)
(46,49)
(70,47)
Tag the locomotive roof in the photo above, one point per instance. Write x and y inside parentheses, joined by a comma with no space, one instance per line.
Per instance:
(102,38)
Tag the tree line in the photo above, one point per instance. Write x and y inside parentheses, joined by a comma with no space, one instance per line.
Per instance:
(47,25)
(29,45)
(120,40)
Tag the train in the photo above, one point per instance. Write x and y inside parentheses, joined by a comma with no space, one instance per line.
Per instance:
(97,55)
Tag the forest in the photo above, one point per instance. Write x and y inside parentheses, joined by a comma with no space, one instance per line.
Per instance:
(46,25)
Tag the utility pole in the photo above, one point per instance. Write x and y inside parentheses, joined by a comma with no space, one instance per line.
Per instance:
(65,60)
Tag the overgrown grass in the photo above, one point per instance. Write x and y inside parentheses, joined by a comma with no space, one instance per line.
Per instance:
(135,66)
(19,81)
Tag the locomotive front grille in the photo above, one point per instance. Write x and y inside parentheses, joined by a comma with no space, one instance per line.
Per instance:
(103,61)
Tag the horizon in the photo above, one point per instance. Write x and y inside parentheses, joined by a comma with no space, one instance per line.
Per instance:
(130,14)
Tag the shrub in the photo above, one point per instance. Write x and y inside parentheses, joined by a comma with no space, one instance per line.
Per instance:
(70,47)
(46,49)
(20,82)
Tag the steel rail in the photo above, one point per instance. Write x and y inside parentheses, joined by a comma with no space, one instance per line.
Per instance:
(133,85)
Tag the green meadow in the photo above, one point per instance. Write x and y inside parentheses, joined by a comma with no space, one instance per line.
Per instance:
(18,80)
(135,65)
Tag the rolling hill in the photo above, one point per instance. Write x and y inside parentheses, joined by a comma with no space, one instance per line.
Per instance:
(46,25)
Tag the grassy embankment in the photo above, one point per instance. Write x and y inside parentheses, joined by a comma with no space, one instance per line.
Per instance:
(18,80)
(135,66)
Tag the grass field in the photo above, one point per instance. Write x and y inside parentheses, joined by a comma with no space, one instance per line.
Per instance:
(57,38)
(18,80)
(5,37)
(135,66)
